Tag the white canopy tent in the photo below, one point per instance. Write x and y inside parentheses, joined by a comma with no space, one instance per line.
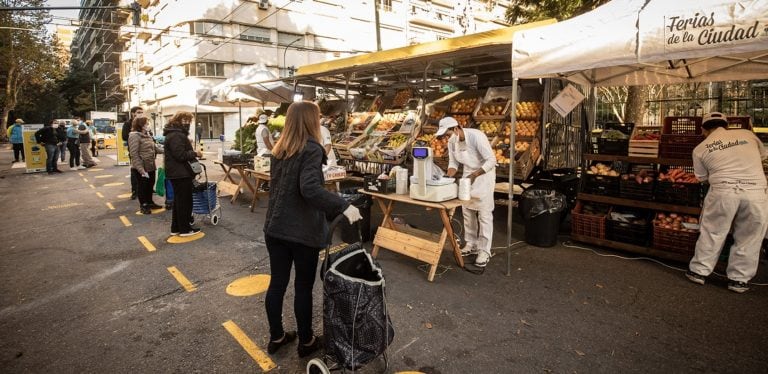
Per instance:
(642,42)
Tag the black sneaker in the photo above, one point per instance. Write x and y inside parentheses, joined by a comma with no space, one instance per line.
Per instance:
(155,206)
(314,346)
(145,210)
(288,337)
(133,196)
(193,231)
(695,278)
(738,287)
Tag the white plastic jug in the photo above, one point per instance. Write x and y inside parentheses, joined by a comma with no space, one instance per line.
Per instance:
(401,181)
(465,187)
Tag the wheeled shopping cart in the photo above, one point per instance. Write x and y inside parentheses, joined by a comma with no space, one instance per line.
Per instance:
(205,200)
(356,325)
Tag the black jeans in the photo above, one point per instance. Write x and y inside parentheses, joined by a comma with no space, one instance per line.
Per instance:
(146,187)
(182,205)
(282,255)
(18,149)
(74,152)
(63,151)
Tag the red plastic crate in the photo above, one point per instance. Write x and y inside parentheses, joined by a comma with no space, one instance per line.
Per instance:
(740,122)
(674,240)
(589,225)
(681,126)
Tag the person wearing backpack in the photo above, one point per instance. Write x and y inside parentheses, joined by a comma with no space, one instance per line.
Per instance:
(16,137)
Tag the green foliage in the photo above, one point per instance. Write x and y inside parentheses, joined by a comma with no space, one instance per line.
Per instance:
(276,124)
(524,11)
(77,89)
(249,138)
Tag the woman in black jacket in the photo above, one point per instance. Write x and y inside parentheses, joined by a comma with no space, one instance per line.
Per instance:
(178,154)
(295,228)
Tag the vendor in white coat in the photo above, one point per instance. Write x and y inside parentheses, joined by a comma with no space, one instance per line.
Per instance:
(731,161)
(470,149)
(264,142)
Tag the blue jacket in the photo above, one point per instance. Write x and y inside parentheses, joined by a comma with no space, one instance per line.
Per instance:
(16,136)
(298,203)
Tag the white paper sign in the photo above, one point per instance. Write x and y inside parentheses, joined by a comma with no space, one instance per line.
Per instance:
(566,100)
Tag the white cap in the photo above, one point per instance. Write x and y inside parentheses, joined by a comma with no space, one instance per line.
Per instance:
(714,116)
(263,119)
(445,124)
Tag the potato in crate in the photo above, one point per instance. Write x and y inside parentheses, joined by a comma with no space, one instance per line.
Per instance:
(602,179)
(675,232)
(638,183)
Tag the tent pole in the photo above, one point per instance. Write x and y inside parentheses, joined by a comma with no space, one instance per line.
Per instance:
(511,190)
(240,123)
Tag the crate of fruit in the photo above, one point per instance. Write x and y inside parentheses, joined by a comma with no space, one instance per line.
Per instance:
(645,141)
(528,110)
(675,232)
(496,109)
(602,179)
(638,184)
(614,139)
(464,105)
(588,219)
(679,136)
(362,122)
(679,186)
(631,226)
(489,127)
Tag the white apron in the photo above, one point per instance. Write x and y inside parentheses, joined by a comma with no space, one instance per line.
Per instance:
(482,190)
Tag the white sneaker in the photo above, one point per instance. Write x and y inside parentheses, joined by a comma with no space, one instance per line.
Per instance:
(81,167)
(482,259)
(73,168)
(468,250)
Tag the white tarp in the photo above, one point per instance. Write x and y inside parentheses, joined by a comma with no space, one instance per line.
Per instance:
(638,42)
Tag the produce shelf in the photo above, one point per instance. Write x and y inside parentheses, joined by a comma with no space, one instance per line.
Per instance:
(640,160)
(632,248)
(639,204)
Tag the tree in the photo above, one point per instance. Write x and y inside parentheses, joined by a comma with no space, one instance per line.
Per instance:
(77,89)
(29,56)
(523,11)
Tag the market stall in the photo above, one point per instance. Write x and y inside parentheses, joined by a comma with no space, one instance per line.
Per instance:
(637,42)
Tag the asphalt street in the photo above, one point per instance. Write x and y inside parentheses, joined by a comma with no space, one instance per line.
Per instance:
(87,286)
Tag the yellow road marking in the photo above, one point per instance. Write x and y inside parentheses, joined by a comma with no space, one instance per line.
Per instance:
(92,186)
(110,206)
(182,279)
(114,184)
(249,286)
(95,169)
(99,195)
(147,244)
(61,206)
(85,180)
(125,221)
(185,239)
(103,176)
(81,174)
(249,346)
(124,196)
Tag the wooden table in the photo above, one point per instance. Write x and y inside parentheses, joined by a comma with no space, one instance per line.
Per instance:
(259,178)
(421,245)
(244,182)
(227,169)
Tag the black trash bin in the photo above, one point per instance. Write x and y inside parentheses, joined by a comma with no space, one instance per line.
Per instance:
(542,210)
(363,202)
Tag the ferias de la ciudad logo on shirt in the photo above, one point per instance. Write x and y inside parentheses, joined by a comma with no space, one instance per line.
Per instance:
(719,145)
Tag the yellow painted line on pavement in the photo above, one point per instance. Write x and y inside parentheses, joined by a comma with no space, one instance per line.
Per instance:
(92,186)
(147,244)
(124,196)
(182,279)
(114,184)
(99,195)
(95,169)
(104,176)
(175,239)
(110,206)
(125,221)
(249,346)
(80,174)
(61,206)
(249,286)
(85,180)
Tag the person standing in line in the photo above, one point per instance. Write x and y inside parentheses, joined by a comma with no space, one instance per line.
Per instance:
(328,145)
(143,152)
(73,144)
(295,228)
(61,135)
(84,139)
(94,149)
(47,137)
(178,154)
(470,149)
(136,112)
(731,161)
(16,137)
(264,142)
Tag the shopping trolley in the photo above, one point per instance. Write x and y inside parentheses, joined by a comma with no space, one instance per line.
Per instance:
(205,201)
(356,325)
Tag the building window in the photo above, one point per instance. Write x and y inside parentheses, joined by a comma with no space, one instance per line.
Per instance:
(256,34)
(204,69)
(206,28)
(384,5)
(292,39)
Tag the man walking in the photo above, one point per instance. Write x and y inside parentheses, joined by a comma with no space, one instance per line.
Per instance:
(136,112)
(731,161)
(16,137)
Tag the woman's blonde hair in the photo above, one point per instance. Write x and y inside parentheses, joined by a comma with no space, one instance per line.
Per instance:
(176,120)
(302,122)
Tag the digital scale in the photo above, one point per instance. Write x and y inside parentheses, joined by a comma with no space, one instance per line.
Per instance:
(423,187)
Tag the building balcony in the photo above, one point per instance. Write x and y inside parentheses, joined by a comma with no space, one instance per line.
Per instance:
(146,62)
(431,19)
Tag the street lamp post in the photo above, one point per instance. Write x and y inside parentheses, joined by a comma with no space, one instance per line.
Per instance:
(285,64)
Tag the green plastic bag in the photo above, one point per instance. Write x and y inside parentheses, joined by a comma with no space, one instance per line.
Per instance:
(160,183)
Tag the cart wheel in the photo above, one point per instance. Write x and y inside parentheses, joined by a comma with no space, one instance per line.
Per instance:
(215,219)
(317,366)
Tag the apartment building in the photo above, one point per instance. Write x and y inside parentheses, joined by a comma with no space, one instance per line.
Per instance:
(94,46)
(64,36)
(185,46)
